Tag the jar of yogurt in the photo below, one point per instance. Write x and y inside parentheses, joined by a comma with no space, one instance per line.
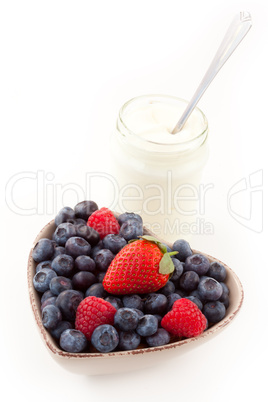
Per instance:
(158,174)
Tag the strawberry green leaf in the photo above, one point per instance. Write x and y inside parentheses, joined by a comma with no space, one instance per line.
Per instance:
(173,253)
(150,238)
(161,246)
(132,240)
(166,265)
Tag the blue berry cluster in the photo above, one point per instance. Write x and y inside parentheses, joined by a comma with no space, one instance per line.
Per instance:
(72,265)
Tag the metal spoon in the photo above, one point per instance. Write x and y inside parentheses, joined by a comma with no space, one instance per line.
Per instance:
(237,31)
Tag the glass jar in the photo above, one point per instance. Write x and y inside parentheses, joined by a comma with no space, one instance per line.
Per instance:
(158,174)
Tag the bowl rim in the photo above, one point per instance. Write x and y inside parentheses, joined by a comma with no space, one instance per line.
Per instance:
(51,343)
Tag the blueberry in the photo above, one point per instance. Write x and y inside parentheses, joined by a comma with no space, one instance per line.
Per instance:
(59,284)
(96,248)
(85,208)
(128,340)
(156,303)
(63,232)
(96,290)
(126,319)
(76,246)
(225,288)
(183,248)
(148,325)
(85,263)
(127,216)
(171,300)
(58,330)
(131,229)
(161,337)
(50,301)
(133,301)
(214,311)
(41,279)
(73,341)
(68,301)
(139,312)
(210,289)
(196,294)
(46,295)
(88,233)
(159,318)
(217,271)
(225,300)
(178,270)
(105,338)
(83,280)
(181,292)
(63,265)
(64,214)
(43,264)
(225,295)
(103,259)
(115,301)
(100,276)
(43,250)
(203,277)
(77,221)
(167,289)
(82,294)
(51,316)
(58,250)
(197,263)
(196,301)
(114,242)
(189,281)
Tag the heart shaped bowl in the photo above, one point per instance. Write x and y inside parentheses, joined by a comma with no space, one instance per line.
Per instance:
(117,361)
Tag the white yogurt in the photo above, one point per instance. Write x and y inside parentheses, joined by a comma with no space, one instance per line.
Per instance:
(158,173)
(155,122)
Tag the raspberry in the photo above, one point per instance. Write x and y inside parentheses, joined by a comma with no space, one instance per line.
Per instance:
(184,320)
(92,312)
(104,222)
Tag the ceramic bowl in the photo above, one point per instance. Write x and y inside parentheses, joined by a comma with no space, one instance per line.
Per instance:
(114,362)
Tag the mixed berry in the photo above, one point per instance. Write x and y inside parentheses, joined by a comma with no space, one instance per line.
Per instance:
(106,286)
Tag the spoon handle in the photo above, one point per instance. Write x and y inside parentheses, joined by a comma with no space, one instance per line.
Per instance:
(238,29)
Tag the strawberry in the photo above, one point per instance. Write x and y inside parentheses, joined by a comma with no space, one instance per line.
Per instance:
(142,266)
(184,320)
(104,222)
(92,312)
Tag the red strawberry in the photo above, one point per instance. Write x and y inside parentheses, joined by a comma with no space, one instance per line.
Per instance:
(184,320)
(104,222)
(142,266)
(92,312)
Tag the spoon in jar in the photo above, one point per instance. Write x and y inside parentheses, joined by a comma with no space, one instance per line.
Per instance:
(238,29)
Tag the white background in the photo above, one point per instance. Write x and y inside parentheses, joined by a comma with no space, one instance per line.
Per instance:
(66,67)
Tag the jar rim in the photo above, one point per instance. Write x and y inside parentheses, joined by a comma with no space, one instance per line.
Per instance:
(183,145)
